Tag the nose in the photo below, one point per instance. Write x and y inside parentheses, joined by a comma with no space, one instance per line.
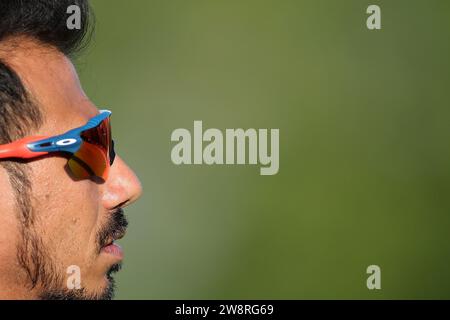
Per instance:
(122,186)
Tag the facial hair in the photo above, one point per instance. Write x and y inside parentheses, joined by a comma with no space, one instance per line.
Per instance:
(42,271)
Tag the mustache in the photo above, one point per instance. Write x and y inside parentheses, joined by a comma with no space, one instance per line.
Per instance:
(115,228)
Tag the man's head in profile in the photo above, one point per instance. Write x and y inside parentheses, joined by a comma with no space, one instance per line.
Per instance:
(62,187)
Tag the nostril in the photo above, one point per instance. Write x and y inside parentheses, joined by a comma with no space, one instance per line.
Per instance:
(121,205)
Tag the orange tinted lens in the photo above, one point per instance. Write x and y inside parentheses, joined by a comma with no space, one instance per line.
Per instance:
(89,161)
(92,159)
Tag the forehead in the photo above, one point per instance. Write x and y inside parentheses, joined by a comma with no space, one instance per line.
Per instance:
(53,83)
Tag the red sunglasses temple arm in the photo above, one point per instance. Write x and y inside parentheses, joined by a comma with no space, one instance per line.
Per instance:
(19,149)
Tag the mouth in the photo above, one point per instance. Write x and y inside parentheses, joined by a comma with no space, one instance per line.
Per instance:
(114,230)
(112,248)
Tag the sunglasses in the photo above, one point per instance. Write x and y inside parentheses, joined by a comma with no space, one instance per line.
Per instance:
(90,147)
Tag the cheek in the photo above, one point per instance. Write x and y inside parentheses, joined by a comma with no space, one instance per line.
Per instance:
(10,230)
(68,212)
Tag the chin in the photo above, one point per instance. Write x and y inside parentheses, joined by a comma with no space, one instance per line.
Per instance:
(104,291)
(107,293)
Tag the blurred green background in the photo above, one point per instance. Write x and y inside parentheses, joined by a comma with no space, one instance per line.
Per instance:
(364,121)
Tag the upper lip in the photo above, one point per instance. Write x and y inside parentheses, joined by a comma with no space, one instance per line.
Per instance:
(116,236)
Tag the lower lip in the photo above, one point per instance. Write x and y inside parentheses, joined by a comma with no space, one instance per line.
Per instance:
(114,250)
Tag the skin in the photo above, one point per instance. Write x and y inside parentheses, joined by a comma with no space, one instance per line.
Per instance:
(69,213)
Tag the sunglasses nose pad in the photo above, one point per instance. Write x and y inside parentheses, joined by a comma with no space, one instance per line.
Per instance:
(112,153)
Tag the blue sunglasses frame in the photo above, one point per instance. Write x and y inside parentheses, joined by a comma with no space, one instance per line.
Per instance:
(71,140)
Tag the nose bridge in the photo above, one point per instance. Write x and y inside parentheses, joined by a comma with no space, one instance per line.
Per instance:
(122,186)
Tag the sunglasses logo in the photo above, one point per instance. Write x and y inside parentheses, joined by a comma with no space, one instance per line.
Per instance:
(66,142)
